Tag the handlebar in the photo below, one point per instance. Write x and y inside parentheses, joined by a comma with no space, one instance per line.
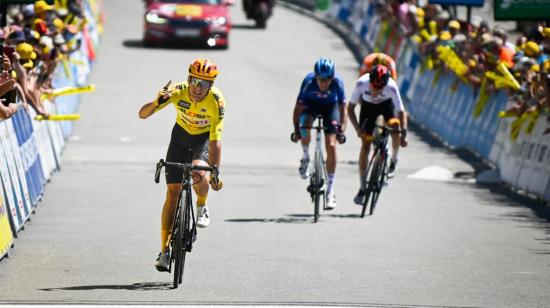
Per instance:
(293,137)
(161,163)
(340,137)
(389,129)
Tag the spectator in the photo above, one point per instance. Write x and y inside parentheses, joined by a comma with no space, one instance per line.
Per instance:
(7,87)
(533,50)
(454,27)
(500,33)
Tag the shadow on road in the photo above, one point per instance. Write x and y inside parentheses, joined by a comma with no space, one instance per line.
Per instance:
(496,194)
(292,218)
(327,215)
(287,220)
(538,216)
(245,27)
(140,286)
(138,43)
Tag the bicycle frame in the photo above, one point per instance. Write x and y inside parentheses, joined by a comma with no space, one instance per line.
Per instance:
(183,233)
(376,175)
(185,205)
(318,171)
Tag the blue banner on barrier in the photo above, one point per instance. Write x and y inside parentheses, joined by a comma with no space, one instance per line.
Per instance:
(7,187)
(446,106)
(371,10)
(345,10)
(22,211)
(65,103)
(29,153)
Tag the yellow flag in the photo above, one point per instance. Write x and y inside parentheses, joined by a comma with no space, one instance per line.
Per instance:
(69,91)
(58,117)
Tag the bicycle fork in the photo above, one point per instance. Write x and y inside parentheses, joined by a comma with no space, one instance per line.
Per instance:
(314,172)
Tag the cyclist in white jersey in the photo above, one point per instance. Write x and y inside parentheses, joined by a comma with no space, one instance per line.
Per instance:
(378,94)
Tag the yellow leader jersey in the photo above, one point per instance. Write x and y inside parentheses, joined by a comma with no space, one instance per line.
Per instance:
(198,118)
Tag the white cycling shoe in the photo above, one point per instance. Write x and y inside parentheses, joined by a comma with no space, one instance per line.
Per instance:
(203,219)
(331,202)
(392,169)
(163,261)
(304,172)
(360,197)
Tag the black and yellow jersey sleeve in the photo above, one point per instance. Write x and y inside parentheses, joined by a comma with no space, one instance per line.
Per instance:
(205,116)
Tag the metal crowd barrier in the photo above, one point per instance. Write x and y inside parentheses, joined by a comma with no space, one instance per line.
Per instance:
(30,150)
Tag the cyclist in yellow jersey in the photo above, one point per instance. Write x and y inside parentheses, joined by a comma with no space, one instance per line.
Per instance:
(196,138)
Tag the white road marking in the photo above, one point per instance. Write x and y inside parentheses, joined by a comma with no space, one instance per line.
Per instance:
(125,139)
(432,173)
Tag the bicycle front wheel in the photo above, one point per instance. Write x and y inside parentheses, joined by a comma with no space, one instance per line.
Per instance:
(317,178)
(187,232)
(376,181)
(177,247)
(367,184)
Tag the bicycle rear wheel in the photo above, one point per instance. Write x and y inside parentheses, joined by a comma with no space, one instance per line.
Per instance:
(376,181)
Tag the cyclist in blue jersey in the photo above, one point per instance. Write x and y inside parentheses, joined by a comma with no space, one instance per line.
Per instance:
(321,93)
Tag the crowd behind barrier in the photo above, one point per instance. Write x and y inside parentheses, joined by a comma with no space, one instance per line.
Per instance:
(54,44)
(462,85)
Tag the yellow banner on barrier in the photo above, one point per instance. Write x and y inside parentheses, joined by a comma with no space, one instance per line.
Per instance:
(517,124)
(6,237)
(58,117)
(68,91)
(533,118)
(507,114)
(482,100)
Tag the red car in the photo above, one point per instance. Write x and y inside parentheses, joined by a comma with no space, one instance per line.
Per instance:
(182,21)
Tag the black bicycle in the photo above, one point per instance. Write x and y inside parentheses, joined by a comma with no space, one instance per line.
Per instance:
(377,173)
(318,175)
(184,230)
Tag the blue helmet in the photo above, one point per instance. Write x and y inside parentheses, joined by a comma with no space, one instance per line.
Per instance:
(324,68)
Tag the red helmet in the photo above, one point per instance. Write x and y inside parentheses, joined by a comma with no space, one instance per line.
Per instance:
(379,76)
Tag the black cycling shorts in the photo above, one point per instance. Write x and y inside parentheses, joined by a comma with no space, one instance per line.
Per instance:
(369,113)
(330,114)
(185,148)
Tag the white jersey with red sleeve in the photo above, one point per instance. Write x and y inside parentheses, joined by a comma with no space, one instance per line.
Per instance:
(363,93)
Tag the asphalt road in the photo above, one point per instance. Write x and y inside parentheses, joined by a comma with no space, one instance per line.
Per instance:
(436,239)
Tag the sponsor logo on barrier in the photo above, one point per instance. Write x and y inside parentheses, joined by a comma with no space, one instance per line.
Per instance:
(6,236)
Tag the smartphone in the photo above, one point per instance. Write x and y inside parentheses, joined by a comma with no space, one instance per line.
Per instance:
(8,51)
(53,54)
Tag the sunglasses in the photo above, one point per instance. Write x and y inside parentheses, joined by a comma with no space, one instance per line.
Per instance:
(324,79)
(196,82)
